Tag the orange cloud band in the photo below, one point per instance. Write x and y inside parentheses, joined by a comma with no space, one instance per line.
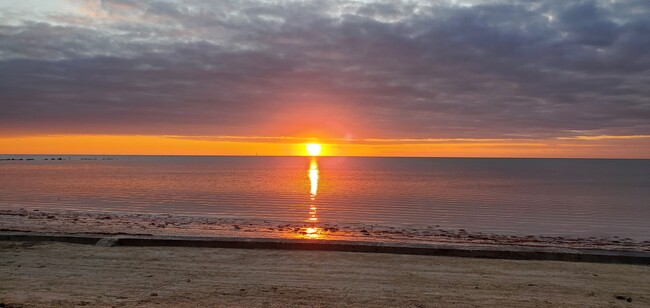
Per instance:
(595,147)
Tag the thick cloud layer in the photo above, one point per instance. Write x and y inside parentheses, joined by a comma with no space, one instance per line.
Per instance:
(389,69)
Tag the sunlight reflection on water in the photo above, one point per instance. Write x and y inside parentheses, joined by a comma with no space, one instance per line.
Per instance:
(578,197)
(312,231)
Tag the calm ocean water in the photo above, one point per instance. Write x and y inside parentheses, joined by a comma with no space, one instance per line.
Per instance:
(574,197)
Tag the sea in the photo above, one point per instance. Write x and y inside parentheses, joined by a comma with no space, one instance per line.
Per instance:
(554,197)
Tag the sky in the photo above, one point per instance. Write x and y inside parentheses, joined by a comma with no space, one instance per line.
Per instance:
(478,78)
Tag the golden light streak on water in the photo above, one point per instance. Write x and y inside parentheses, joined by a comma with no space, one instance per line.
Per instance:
(313,191)
(313,231)
(313,178)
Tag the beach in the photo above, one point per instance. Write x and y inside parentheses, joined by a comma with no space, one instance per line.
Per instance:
(145,231)
(50,274)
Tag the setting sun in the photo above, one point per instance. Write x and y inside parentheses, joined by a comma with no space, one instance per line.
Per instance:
(313,149)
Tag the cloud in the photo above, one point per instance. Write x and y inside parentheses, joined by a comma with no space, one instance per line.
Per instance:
(371,69)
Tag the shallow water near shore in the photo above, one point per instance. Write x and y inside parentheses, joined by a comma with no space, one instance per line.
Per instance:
(541,197)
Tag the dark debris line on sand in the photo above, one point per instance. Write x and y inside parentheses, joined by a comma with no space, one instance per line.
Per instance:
(491,252)
(178,225)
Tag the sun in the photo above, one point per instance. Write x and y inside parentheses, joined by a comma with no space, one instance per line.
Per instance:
(313,149)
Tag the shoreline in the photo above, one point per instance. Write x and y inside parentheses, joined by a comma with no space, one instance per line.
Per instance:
(90,222)
(446,250)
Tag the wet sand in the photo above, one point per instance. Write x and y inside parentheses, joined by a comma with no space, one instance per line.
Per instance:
(51,274)
(177,225)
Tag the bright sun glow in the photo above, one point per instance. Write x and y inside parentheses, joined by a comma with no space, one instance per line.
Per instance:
(313,149)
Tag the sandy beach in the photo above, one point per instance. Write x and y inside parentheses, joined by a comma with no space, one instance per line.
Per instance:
(49,274)
(54,274)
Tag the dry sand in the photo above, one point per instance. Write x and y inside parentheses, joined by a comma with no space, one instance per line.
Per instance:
(64,275)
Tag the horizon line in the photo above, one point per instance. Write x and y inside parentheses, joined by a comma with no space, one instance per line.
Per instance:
(343,156)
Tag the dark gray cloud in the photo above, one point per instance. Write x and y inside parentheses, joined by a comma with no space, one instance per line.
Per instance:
(531,69)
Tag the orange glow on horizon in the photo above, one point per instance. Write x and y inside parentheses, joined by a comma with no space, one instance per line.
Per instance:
(592,147)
